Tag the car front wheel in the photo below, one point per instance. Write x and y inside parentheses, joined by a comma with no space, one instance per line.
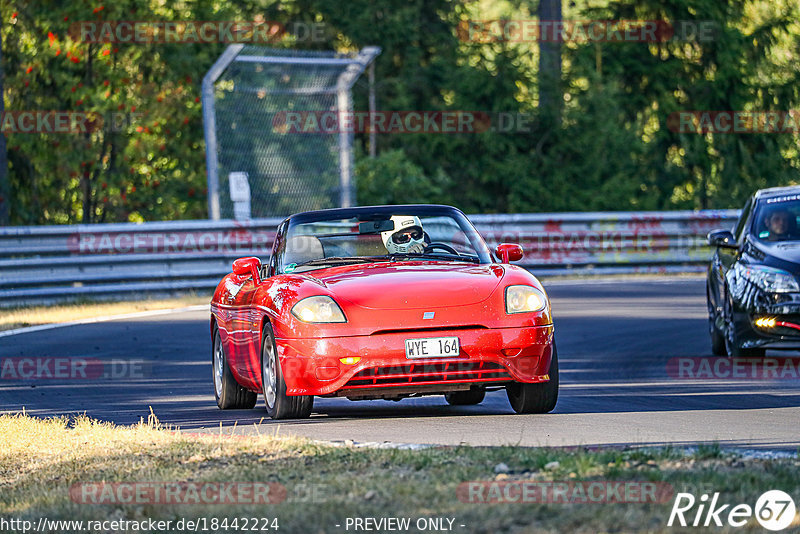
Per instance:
(536,398)
(732,343)
(279,404)
(717,337)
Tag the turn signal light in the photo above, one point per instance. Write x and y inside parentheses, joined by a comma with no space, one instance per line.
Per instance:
(765,322)
(350,360)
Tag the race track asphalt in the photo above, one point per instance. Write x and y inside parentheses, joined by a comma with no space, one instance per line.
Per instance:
(617,340)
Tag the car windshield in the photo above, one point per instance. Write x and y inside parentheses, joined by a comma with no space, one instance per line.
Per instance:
(776,219)
(322,239)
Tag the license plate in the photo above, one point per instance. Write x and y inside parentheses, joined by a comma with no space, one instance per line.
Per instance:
(432,347)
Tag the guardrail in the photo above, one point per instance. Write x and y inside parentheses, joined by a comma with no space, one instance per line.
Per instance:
(49,263)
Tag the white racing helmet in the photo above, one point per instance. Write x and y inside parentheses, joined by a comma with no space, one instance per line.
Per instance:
(407,236)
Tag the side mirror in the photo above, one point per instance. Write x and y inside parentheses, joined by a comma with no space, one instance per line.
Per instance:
(508,252)
(249,265)
(722,238)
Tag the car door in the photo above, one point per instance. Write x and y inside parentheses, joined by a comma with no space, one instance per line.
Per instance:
(244,334)
(725,258)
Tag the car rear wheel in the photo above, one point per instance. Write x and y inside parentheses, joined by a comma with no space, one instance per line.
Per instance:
(536,398)
(279,404)
(465,398)
(732,343)
(717,337)
(229,394)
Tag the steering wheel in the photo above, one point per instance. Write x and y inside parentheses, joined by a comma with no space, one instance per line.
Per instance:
(443,246)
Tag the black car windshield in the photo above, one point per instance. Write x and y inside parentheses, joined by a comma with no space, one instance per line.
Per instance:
(329,238)
(776,219)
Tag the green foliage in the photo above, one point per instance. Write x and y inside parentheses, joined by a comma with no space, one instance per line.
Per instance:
(145,160)
(613,149)
(392,178)
(589,164)
(736,69)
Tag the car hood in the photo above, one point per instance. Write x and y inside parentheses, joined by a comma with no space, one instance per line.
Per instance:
(785,255)
(411,285)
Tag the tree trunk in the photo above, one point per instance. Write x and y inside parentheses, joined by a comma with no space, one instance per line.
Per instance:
(5,189)
(550,97)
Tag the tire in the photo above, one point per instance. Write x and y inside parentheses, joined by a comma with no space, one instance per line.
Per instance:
(228,393)
(732,344)
(536,398)
(279,404)
(717,337)
(465,398)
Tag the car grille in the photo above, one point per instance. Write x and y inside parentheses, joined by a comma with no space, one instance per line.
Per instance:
(420,373)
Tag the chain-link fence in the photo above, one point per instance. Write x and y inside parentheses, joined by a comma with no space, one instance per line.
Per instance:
(277,170)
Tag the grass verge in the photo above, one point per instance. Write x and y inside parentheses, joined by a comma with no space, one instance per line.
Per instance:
(41,460)
(11,318)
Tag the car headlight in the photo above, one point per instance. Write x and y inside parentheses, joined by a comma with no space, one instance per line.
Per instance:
(768,278)
(319,309)
(521,299)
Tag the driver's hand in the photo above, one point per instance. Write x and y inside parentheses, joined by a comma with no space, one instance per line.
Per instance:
(416,248)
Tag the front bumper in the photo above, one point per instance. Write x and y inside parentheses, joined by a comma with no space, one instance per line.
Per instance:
(487,356)
(784,335)
(753,304)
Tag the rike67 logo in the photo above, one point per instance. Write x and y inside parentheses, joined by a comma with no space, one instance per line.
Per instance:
(774,510)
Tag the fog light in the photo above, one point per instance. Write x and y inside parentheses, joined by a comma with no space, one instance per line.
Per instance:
(350,360)
(765,322)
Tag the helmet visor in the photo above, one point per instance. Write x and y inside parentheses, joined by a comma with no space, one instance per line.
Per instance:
(407,234)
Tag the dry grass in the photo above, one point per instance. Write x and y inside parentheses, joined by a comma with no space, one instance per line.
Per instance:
(41,459)
(12,318)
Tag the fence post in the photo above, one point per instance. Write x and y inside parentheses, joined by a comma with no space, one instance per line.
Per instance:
(210,127)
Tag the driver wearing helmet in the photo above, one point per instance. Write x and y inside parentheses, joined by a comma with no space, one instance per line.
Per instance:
(407,236)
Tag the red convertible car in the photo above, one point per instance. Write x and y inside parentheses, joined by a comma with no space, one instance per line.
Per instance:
(382,303)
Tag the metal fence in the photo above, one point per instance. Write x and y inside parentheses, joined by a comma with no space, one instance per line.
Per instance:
(48,263)
(247,96)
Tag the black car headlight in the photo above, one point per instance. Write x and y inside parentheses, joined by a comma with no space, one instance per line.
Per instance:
(521,299)
(768,279)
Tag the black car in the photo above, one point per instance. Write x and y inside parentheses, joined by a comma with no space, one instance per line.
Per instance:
(753,292)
